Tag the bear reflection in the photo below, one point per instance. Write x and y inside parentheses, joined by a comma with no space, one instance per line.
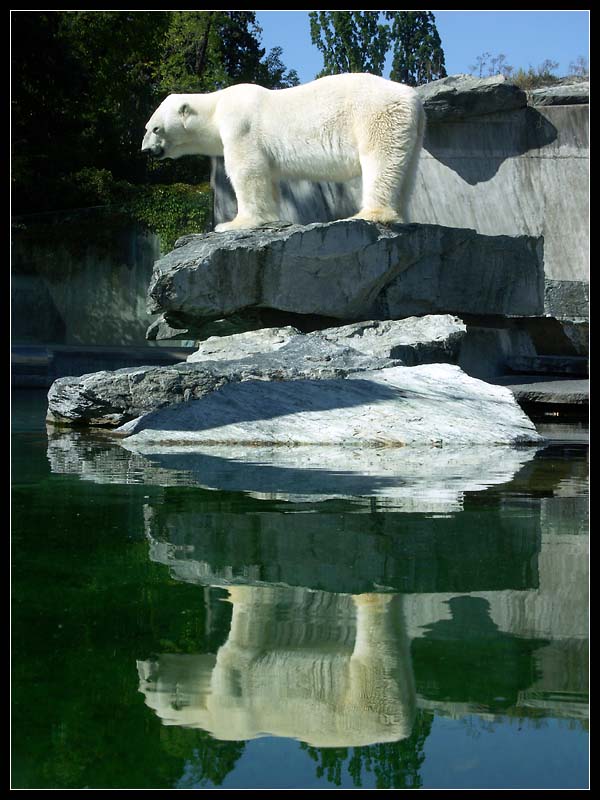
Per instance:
(329,669)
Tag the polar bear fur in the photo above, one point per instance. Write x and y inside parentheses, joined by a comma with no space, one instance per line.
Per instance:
(332,129)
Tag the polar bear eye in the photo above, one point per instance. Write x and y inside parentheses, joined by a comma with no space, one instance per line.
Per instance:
(156,129)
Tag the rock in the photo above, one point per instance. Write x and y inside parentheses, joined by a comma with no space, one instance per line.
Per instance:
(429,404)
(414,340)
(111,398)
(483,275)
(348,270)
(568,94)
(539,389)
(567,300)
(160,329)
(460,96)
(241,345)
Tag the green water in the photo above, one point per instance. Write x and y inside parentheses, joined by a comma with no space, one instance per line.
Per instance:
(166,635)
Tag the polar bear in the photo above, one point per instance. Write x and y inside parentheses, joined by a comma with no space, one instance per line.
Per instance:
(332,129)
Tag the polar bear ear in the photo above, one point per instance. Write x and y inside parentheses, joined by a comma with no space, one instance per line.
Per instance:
(185,112)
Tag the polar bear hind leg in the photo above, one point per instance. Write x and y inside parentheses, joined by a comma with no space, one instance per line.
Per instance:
(389,158)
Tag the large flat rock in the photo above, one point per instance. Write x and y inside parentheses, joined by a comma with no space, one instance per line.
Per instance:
(461,96)
(348,270)
(539,389)
(108,398)
(433,404)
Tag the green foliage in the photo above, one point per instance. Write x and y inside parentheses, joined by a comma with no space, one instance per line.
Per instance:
(351,41)
(360,41)
(532,78)
(209,50)
(172,211)
(417,48)
(86,82)
(168,210)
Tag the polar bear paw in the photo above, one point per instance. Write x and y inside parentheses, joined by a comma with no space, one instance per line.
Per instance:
(385,216)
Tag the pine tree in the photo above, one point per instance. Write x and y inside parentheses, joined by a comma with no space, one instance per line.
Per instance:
(351,41)
(359,41)
(417,48)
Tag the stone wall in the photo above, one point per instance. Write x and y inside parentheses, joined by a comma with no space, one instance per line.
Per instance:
(75,281)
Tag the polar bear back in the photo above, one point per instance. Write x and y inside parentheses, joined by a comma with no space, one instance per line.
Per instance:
(321,128)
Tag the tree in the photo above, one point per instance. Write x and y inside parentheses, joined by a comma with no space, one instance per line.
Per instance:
(209,50)
(579,67)
(417,48)
(351,41)
(274,74)
(487,65)
(360,41)
(86,82)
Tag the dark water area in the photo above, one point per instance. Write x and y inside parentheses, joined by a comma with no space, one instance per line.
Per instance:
(196,621)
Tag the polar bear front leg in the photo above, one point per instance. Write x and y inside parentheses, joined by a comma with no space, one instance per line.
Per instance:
(255,190)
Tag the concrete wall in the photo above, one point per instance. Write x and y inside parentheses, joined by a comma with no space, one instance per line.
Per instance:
(88,290)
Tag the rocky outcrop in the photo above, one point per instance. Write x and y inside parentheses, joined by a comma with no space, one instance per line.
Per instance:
(562,94)
(411,341)
(348,270)
(461,96)
(110,398)
(432,404)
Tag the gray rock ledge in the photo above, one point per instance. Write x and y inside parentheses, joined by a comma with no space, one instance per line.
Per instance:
(347,270)
(110,398)
(460,96)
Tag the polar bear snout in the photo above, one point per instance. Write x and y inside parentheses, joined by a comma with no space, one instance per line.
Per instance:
(155,150)
(153,145)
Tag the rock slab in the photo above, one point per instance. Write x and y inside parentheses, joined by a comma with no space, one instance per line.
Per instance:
(110,398)
(432,404)
(461,96)
(347,270)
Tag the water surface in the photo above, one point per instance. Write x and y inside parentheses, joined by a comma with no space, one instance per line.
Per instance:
(201,620)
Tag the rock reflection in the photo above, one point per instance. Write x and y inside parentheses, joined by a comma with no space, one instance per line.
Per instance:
(407,479)
(330,670)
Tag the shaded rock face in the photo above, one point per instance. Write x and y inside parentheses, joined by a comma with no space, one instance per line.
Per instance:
(110,398)
(561,94)
(348,270)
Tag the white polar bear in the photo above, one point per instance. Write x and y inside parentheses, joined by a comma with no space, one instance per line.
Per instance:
(332,129)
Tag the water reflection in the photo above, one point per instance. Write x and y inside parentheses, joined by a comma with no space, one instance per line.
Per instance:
(328,669)
(336,670)
(353,625)
(408,479)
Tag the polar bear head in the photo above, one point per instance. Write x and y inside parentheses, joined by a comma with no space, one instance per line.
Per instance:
(170,132)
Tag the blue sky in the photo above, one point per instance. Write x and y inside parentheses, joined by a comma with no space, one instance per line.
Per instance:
(525,37)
